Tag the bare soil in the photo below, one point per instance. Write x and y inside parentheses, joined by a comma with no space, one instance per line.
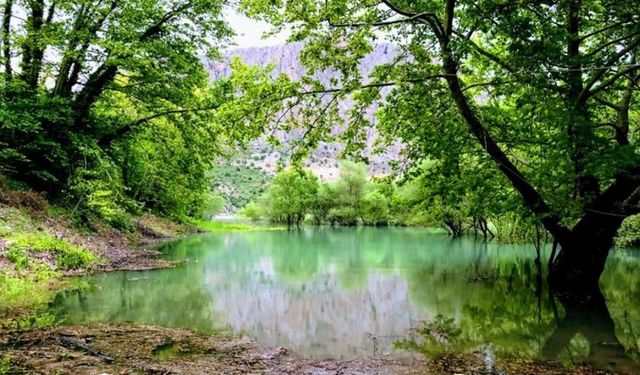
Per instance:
(141,349)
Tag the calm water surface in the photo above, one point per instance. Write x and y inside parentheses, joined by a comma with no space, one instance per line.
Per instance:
(344,293)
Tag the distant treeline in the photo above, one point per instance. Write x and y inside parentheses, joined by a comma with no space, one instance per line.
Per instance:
(296,196)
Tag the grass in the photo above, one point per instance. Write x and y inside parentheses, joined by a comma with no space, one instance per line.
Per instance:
(32,274)
(24,291)
(67,255)
(221,226)
(5,364)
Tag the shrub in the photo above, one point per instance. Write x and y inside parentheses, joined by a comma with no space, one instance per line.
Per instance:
(347,216)
(19,257)
(253,212)
(67,256)
(99,192)
(629,232)
(375,209)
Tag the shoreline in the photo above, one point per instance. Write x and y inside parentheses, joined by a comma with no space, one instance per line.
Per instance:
(102,347)
(137,348)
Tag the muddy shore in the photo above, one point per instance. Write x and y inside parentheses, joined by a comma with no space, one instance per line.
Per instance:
(141,349)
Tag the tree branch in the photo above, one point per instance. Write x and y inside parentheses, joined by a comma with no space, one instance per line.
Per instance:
(586,92)
(428,18)
(382,23)
(596,32)
(612,80)
(6,38)
(371,85)
(106,140)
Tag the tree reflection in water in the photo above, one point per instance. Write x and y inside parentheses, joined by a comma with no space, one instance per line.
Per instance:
(338,292)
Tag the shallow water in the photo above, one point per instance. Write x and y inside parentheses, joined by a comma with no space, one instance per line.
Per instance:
(344,293)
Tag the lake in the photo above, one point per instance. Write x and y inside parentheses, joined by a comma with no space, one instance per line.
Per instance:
(345,293)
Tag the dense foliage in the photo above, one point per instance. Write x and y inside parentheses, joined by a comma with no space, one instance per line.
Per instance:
(107,105)
(296,195)
(538,98)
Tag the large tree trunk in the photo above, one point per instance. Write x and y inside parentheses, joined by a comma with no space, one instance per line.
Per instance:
(576,270)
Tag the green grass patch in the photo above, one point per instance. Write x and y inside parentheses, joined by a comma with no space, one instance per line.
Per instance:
(68,256)
(221,226)
(24,291)
(13,220)
(5,364)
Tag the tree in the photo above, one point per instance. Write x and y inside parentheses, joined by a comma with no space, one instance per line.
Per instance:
(69,65)
(351,185)
(324,201)
(106,105)
(291,196)
(375,209)
(544,91)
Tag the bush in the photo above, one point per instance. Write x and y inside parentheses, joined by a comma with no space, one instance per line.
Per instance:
(253,211)
(629,232)
(67,256)
(347,216)
(375,209)
(100,192)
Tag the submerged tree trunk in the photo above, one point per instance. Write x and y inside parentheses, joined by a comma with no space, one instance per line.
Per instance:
(576,270)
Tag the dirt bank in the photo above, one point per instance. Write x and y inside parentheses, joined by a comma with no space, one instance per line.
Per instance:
(141,349)
(130,349)
(120,250)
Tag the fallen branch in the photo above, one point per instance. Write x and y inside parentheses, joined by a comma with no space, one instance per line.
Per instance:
(73,343)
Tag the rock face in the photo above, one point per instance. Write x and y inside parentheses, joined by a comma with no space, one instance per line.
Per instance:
(286,60)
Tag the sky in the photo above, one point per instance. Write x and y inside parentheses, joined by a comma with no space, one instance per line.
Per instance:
(249,32)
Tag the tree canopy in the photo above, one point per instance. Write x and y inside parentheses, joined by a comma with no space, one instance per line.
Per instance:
(541,94)
(108,101)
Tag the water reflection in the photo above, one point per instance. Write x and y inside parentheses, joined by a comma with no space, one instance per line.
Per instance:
(345,293)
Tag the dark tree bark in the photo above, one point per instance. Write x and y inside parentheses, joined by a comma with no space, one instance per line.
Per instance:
(74,58)
(68,56)
(94,87)
(32,50)
(577,268)
(454,227)
(6,38)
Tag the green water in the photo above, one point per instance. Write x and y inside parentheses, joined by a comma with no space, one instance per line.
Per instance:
(344,293)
